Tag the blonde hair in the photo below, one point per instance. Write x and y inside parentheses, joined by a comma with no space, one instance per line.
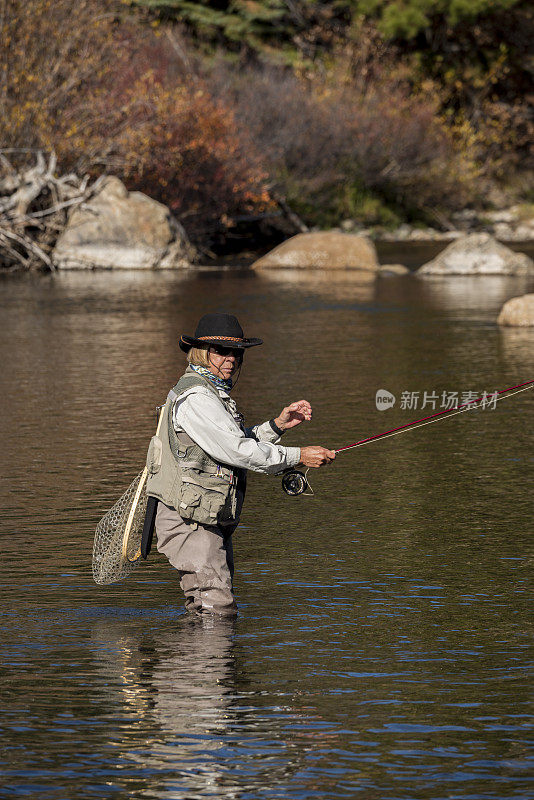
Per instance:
(198,356)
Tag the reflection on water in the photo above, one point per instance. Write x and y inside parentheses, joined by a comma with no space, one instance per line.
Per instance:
(517,349)
(383,642)
(180,683)
(340,284)
(470,293)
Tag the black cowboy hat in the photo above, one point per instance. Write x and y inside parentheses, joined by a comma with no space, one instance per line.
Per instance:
(218,329)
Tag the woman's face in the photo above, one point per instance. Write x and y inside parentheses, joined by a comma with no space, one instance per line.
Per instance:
(224,361)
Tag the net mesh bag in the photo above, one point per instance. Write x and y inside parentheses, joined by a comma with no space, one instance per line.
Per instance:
(117,545)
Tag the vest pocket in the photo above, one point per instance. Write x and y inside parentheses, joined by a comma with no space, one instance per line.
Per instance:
(205,501)
(153,458)
(189,501)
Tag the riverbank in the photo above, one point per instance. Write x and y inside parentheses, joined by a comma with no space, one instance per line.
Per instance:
(342,118)
(50,221)
(508,224)
(412,253)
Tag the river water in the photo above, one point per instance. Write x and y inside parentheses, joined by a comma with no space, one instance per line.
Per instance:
(384,638)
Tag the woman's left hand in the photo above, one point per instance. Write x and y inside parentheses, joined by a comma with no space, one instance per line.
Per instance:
(294,414)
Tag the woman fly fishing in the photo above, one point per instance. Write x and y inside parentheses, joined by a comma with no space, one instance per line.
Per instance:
(197,465)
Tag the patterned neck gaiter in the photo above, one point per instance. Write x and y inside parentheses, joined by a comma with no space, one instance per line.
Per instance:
(222,386)
(219,383)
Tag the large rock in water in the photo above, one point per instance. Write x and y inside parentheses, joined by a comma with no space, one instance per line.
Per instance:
(519,311)
(118,229)
(478,254)
(323,250)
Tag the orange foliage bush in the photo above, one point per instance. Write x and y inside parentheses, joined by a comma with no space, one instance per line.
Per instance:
(113,95)
(182,147)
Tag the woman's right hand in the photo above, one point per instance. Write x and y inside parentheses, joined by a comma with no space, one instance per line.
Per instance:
(315,456)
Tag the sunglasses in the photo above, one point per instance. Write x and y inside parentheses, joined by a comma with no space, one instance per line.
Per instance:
(227,351)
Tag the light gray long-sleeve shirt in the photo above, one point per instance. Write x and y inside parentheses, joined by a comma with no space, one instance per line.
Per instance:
(214,429)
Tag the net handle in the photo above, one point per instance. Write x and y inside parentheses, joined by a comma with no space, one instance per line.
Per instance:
(140,488)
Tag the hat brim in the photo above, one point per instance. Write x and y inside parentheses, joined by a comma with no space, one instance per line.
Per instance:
(187,342)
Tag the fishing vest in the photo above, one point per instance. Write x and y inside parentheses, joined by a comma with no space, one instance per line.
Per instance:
(184,476)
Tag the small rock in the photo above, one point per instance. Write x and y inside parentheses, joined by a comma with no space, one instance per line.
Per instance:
(322,250)
(502,230)
(518,312)
(466,216)
(393,269)
(478,254)
(524,231)
(403,232)
(419,235)
(507,215)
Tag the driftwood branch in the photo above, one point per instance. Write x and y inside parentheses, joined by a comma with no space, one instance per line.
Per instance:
(179,50)
(34,203)
(57,207)
(17,257)
(29,245)
(289,213)
(442,220)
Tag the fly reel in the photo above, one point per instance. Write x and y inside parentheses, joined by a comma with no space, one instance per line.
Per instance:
(294,482)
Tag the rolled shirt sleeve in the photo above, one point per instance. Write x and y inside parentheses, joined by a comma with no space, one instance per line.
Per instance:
(206,421)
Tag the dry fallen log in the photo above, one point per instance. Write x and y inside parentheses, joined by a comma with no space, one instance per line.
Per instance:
(289,213)
(34,203)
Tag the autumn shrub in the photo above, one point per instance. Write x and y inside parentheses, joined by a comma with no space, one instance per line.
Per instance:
(340,147)
(171,139)
(479,53)
(54,53)
(111,94)
(476,53)
(360,134)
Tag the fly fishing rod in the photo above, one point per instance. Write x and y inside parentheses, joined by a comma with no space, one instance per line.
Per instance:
(295,482)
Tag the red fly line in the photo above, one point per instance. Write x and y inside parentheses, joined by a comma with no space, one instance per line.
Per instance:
(432,416)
